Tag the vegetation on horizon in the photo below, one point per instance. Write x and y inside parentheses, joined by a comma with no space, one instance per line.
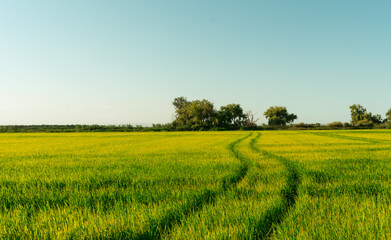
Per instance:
(201,115)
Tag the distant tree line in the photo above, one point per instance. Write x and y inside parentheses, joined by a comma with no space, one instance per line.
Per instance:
(86,128)
(360,119)
(199,115)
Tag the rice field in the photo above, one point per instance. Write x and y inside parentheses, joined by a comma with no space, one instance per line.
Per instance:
(196,185)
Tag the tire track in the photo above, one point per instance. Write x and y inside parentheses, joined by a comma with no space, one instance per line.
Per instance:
(275,215)
(361,139)
(157,227)
(231,181)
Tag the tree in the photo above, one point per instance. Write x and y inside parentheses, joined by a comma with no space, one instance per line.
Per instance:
(231,116)
(193,115)
(181,117)
(180,102)
(251,121)
(357,113)
(360,115)
(201,114)
(388,114)
(377,119)
(279,116)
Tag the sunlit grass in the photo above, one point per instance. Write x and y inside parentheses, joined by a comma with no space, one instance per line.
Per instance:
(196,185)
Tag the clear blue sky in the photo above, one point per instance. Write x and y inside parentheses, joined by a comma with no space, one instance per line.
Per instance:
(116,62)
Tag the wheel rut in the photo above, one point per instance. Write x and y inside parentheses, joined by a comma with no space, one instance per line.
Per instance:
(156,227)
(161,225)
(361,139)
(275,215)
(232,180)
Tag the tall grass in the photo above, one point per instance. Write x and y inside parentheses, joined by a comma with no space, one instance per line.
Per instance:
(196,185)
(346,189)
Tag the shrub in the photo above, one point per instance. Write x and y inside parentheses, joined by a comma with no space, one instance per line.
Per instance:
(364,124)
(346,125)
(304,125)
(335,125)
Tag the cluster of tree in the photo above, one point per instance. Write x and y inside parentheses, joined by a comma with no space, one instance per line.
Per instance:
(85,128)
(201,115)
(361,118)
(279,116)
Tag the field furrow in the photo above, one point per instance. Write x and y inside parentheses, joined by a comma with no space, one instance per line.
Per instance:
(277,213)
(232,180)
(354,138)
(344,191)
(156,227)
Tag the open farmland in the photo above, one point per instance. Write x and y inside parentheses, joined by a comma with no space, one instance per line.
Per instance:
(196,185)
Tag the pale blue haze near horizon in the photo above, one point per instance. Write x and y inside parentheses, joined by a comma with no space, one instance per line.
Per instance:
(123,62)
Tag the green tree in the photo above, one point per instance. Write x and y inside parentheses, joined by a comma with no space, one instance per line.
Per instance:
(180,102)
(357,113)
(231,116)
(388,114)
(279,116)
(195,115)
(375,118)
(182,119)
(201,113)
(360,115)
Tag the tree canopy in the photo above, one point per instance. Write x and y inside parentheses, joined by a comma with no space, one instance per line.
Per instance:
(231,116)
(388,114)
(360,116)
(201,114)
(279,116)
(193,115)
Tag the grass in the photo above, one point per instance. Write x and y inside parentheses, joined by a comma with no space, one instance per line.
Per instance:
(196,185)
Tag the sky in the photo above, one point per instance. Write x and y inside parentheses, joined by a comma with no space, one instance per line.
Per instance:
(124,62)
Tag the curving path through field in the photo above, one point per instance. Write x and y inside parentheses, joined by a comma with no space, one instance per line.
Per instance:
(161,225)
(277,214)
(353,138)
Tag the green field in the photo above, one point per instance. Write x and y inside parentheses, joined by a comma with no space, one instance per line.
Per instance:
(196,185)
